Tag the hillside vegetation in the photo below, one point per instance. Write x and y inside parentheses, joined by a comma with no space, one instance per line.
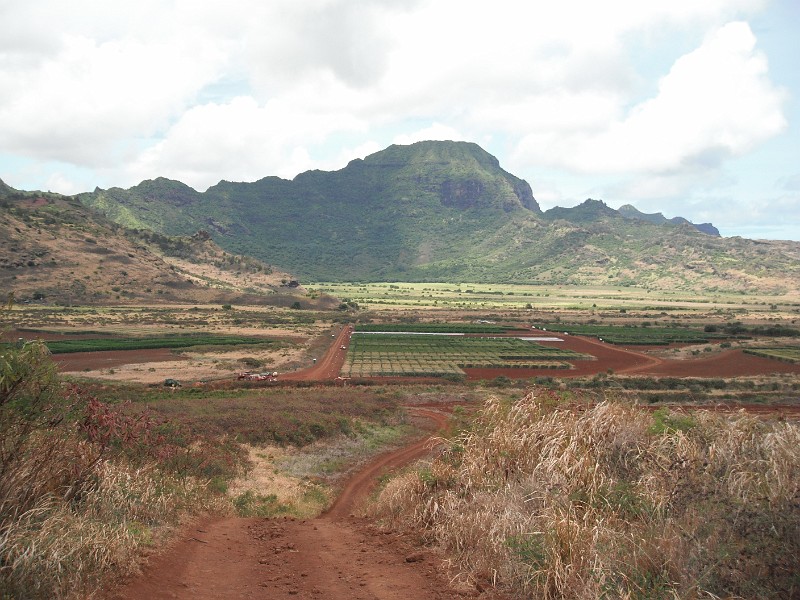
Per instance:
(447,211)
(380,217)
(611,501)
(55,250)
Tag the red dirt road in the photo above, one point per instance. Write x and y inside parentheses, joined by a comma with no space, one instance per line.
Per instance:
(334,557)
(360,485)
(329,366)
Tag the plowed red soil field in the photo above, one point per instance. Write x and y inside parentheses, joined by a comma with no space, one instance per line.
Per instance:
(85,361)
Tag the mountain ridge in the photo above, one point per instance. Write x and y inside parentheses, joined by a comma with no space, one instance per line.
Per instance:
(416,202)
(445,211)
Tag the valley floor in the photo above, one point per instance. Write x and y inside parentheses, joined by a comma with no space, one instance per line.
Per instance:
(619,359)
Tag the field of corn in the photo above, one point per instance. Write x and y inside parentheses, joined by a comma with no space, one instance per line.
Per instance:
(555,501)
(387,355)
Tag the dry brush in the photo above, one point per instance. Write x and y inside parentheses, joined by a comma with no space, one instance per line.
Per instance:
(612,501)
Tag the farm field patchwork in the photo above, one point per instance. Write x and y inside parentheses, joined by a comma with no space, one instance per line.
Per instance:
(608,301)
(404,355)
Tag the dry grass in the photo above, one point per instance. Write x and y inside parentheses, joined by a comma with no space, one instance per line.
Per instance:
(612,502)
(64,535)
(266,489)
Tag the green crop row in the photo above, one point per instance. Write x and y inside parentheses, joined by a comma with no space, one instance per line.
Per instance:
(437,346)
(790,354)
(426,355)
(519,365)
(399,371)
(432,327)
(149,343)
(637,335)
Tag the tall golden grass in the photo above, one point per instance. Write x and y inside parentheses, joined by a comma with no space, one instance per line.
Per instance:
(58,549)
(612,501)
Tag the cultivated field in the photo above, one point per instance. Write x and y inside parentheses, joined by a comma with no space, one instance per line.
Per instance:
(399,355)
(668,335)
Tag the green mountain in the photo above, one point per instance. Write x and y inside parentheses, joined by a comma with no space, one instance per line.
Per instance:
(385,217)
(445,211)
(591,211)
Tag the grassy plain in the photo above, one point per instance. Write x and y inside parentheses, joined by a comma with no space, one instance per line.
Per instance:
(567,299)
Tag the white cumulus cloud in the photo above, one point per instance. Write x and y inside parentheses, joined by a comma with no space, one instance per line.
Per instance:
(644,100)
(240,139)
(716,102)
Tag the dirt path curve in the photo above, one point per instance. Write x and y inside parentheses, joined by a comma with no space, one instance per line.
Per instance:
(333,557)
(638,361)
(361,484)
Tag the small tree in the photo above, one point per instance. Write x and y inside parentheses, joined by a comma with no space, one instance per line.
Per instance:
(32,407)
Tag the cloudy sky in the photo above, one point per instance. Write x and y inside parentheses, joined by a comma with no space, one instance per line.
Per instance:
(684,107)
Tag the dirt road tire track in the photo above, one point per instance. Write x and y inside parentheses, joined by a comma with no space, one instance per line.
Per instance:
(361,484)
(334,557)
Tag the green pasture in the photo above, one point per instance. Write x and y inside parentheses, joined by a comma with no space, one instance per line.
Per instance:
(440,355)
